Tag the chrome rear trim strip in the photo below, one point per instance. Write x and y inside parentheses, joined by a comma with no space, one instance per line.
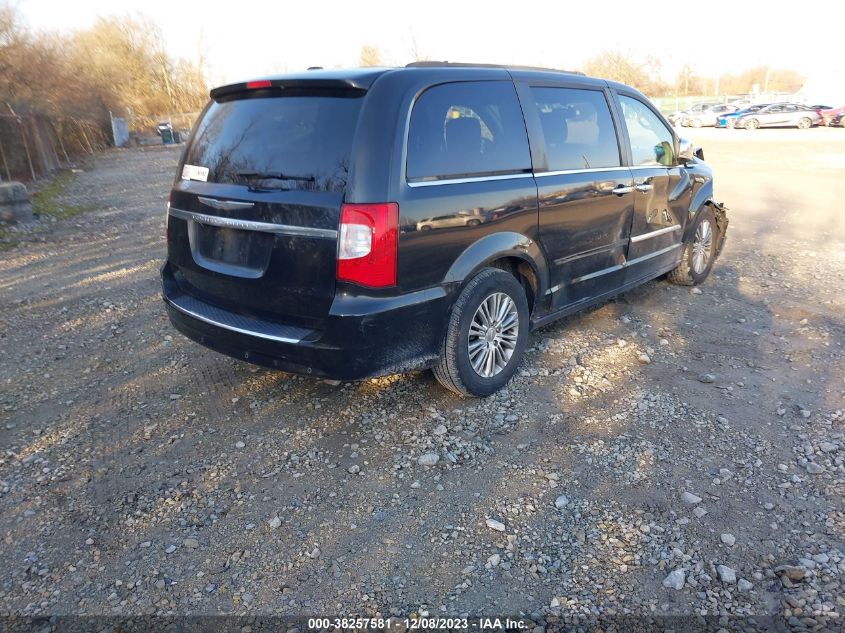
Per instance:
(250,225)
(648,236)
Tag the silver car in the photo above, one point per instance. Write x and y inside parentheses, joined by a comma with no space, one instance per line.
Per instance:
(707,116)
(678,118)
(781,115)
(461,218)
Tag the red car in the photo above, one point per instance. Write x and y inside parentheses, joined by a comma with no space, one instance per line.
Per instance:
(832,114)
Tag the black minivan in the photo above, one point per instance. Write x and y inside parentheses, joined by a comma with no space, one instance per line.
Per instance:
(357,223)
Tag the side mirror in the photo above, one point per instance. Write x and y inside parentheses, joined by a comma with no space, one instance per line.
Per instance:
(686,151)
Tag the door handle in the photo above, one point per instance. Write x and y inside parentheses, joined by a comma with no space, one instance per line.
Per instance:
(644,187)
(620,190)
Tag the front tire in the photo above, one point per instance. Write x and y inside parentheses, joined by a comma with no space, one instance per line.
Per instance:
(804,123)
(752,124)
(486,335)
(699,252)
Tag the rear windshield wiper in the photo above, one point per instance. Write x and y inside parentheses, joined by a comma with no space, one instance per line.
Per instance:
(272,175)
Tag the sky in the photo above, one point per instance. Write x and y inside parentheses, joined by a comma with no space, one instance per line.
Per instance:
(248,38)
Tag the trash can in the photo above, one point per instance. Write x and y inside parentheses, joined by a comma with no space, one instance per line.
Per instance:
(165,130)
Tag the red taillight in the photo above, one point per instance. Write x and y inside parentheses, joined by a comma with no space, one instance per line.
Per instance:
(263,83)
(367,242)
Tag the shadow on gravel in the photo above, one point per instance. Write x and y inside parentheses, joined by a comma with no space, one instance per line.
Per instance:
(147,442)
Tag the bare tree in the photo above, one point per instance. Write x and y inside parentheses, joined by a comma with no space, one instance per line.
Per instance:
(370,56)
(414,49)
(620,66)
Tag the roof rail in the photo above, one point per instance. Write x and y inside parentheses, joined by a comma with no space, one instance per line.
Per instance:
(470,65)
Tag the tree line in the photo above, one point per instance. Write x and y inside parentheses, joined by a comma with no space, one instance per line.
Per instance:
(645,74)
(118,65)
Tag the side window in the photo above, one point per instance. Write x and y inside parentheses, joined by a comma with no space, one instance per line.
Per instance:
(577,128)
(463,129)
(651,141)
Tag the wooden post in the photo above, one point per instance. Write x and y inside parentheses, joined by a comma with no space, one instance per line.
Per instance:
(5,164)
(26,147)
(85,136)
(61,142)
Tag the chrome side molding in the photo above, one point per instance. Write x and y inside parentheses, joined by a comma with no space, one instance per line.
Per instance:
(648,236)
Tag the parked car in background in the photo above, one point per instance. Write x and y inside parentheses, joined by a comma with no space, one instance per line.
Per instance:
(678,118)
(838,120)
(829,115)
(741,104)
(461,218)
(707,116)
(780,115)
(728,120)
(296,231)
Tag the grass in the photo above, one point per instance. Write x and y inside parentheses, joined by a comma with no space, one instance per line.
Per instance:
(5,243)
(46,204)
(45,201)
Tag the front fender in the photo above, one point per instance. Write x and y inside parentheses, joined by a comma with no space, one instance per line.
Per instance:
(495,246)
(703,197)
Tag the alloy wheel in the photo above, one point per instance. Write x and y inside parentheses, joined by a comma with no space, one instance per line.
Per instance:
(702,247)
(493,334)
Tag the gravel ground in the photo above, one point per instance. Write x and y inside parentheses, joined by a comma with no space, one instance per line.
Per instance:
(671,452)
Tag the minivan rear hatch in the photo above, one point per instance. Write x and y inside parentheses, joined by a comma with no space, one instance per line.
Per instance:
(254,212)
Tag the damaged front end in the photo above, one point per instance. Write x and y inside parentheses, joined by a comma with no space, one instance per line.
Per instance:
(722,221)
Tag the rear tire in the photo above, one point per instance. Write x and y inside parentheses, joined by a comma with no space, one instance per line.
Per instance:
(696,122)
(804,123)
(699,252)
(480,355)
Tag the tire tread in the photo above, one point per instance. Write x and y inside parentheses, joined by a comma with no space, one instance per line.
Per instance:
(446,368)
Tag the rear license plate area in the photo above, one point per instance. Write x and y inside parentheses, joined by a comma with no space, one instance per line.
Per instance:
(230,251)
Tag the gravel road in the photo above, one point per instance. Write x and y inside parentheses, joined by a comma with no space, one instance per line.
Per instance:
(673,452)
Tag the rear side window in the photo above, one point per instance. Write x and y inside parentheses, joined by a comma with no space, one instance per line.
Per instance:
(307,139)
(652,142)
(466,129)
(577,128)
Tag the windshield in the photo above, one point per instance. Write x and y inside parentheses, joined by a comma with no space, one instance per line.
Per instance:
(307,138)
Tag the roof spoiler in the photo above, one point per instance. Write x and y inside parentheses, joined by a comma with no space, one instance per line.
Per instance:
(350,84)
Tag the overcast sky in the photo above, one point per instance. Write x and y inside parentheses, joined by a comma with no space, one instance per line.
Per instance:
(249,38)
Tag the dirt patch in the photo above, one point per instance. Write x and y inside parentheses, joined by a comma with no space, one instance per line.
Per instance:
(143,474)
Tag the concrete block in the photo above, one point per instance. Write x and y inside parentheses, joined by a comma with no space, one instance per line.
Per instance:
(15,204)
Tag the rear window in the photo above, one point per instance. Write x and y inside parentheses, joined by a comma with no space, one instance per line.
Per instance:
(308,139)
(472,128)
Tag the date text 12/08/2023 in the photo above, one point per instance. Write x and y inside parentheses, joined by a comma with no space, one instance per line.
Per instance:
(418,623)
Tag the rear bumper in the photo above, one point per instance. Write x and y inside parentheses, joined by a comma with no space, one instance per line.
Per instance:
(364,336)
